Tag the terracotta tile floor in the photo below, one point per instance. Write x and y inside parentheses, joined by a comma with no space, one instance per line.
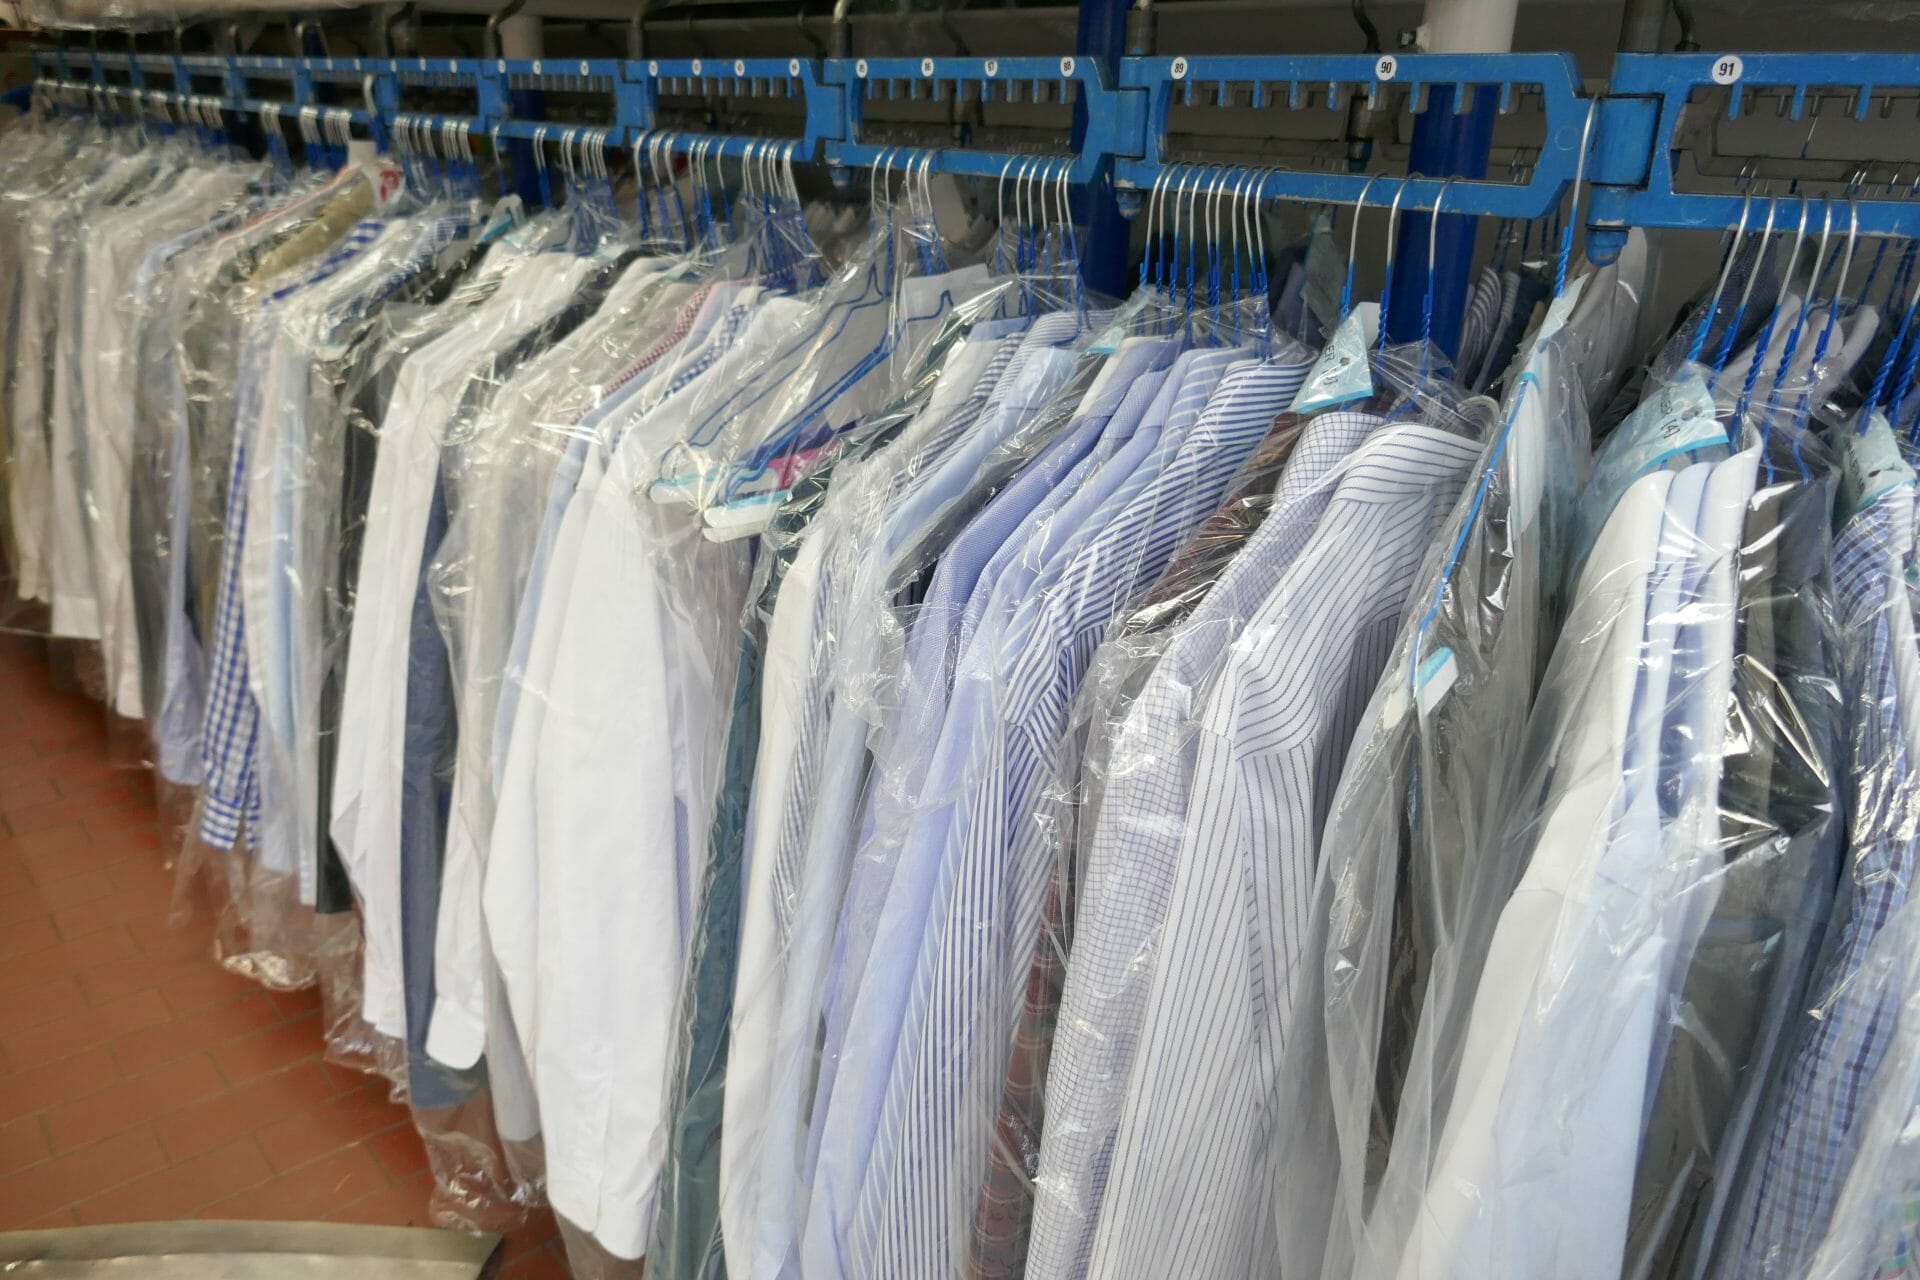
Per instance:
(138,1080)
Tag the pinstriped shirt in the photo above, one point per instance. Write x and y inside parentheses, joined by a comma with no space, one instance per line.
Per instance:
(1189,1188)
(1125,885)
(1477,326)
(986,919)
(845,1117)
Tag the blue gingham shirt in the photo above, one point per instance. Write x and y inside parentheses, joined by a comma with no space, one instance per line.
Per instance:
(229,746)
(1813,1133)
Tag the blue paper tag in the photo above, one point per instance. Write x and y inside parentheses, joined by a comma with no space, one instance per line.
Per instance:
(1679,418)
(1122,326)
(1436,676)
(1871,465)
(1343,373)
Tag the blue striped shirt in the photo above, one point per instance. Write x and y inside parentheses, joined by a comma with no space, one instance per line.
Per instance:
(1121,899)
(986,914)
(1189,1188)
(908,486)
(846,1112)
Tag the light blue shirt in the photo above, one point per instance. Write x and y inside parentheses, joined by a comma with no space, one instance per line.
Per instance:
(984,903)
(842,1126)
(813,850)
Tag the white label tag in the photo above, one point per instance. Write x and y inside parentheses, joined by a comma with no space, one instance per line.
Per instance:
(1343,372)
(1438,672)
(1871,465)
(1678,418)
(388,183)
(506,216)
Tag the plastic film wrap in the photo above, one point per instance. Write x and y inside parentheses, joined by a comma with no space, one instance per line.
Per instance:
(226,321)
(397,749)
(687,1242)
(1671,829)
(832,647)
(486,574)
(1398,908)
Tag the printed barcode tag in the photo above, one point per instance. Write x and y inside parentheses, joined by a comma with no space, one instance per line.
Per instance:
(1871,465)
(1343,372)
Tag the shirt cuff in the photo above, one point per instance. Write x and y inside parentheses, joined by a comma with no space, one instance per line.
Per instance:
(219,821)
(456,1037)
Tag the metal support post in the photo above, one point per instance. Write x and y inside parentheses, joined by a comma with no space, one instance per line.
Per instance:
(1642,24)
(1102,35)
(520,37)
(1447,143)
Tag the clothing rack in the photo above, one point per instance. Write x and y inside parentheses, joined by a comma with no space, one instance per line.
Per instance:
(1621,140)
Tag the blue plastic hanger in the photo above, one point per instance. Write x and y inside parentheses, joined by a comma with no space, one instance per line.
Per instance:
(1732,330)
(1386,282)
(1764,344)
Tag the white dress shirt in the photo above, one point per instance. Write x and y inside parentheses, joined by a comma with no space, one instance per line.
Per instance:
(1535,1166)
(366,799)
(110,378)
(624,770)
(491,535)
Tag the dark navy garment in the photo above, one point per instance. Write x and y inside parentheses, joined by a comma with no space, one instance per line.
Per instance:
(426,789)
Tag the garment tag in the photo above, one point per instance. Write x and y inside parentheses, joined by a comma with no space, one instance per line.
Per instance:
(1870,465)
(507,214)
(1343,373)
(1121,329)
(1677,419)
(1436,676)
(388,184)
